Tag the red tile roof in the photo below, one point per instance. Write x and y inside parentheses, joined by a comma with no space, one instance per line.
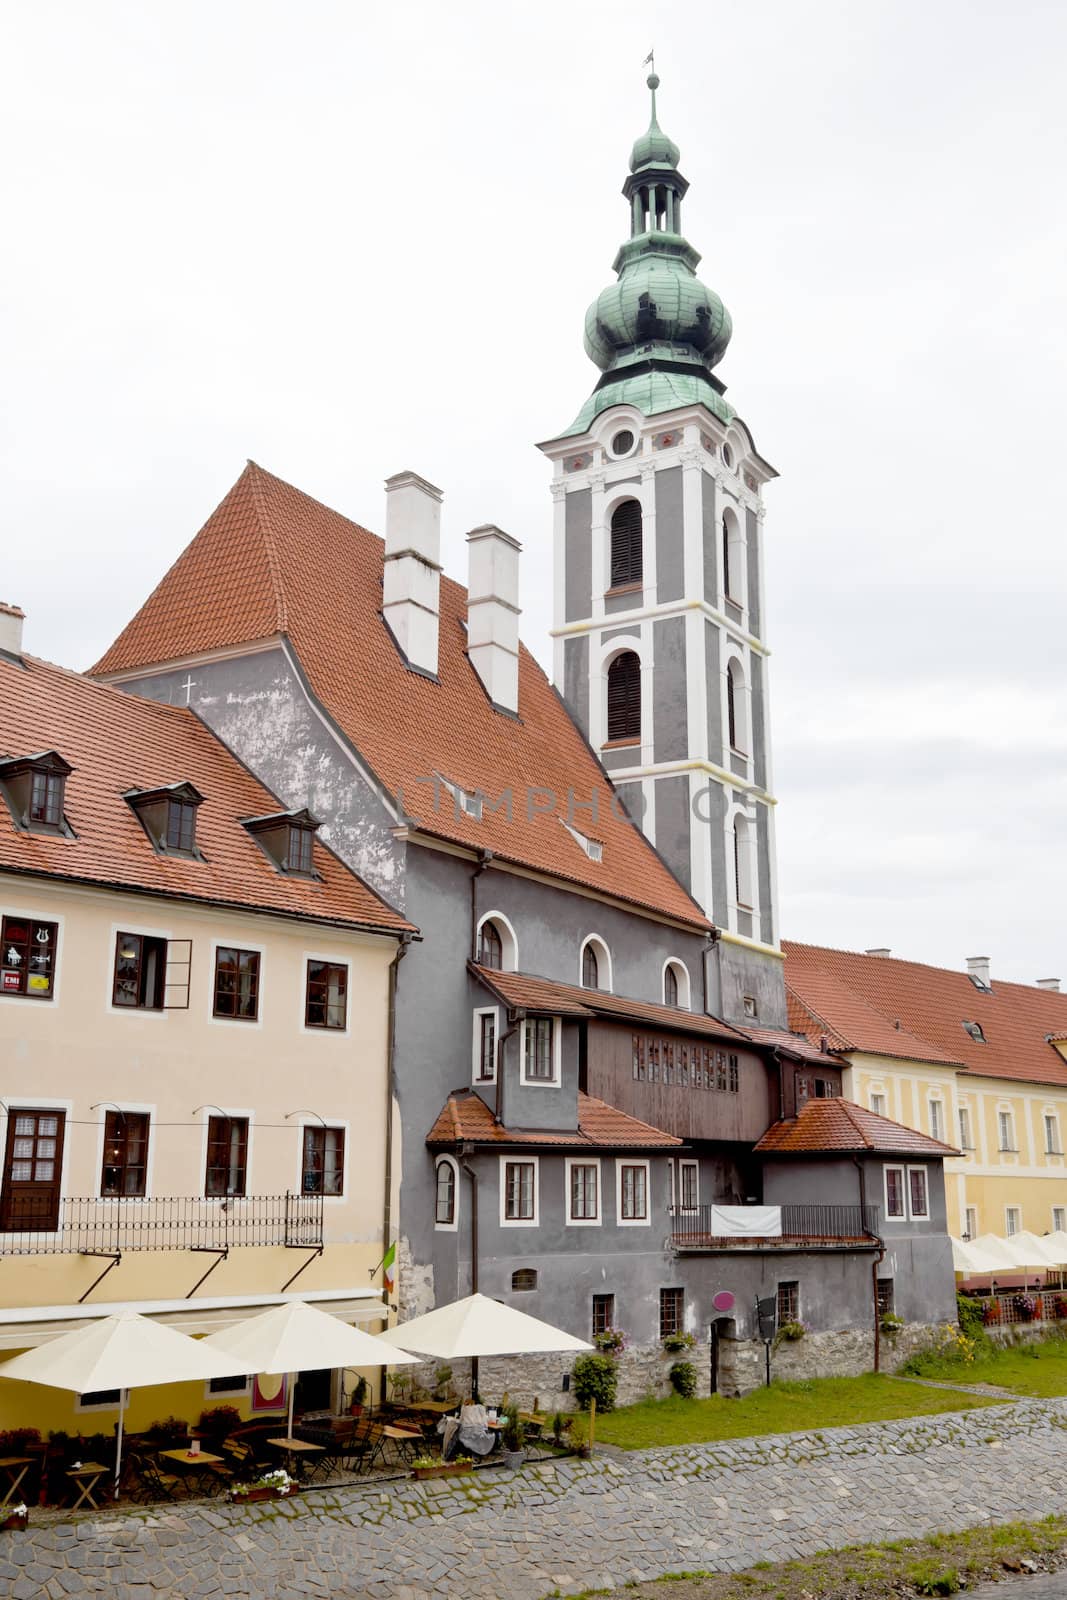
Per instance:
(828,1125)
(885,1006)
(467,1117)
(792,1044)
(524,992)
(115,743)
(271,561)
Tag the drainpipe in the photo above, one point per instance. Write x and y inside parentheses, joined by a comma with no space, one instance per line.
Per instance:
(390,1094)
(484,858)
(464,1151)
(875,1264)
(515,1020)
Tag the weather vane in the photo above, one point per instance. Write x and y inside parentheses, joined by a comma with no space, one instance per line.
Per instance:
(650,60)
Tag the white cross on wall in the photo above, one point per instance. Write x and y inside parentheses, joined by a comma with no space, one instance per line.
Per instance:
(189,685)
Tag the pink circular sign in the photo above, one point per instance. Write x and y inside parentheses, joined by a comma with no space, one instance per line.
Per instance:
(723,1301)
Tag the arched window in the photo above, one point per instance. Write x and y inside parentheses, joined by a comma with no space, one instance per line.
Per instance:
(490,947)
(736,719)
(624,697)
(676,985)
(445,1213)
(523,1280)
(743,862)
(626,561)
(595,964)
(590,969)
(727,587)
(670,987)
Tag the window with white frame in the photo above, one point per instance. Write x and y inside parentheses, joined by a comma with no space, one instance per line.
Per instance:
(447,1198)
(689,1184)
(540,1050)
(1006,1129)
(877,1103)
(937,1120)
(518,1191)
(583,1191)
(896,1204)
(970,1222)
(497,946)
(483,1061)
(1013,1220)
(594,964)
(1052,1135)
(632,1192)
(676,985)
(966,1142)
(918,1194)
(1059,1219)
(736,719)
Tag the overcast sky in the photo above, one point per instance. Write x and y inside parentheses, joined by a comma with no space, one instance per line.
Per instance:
(345,239)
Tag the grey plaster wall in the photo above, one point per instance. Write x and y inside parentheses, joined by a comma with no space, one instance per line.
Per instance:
(259,706)
(670,535)
(752,549)
(578,537)
(576,679)
(710,538)
(709,816)
(763,868)
(713,678)
(747,972)
(670,728)
(673,823)
(759,722)
(615,760)
(539,1105)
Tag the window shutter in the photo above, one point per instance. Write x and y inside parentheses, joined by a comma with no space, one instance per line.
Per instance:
(624,697)
(626,562)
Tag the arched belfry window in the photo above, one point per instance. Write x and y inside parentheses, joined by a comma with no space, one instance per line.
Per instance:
(727,587)
(735,708)
(743,875)
(624,697)
(626,564)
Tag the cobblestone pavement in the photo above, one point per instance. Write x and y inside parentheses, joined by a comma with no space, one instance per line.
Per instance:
(1046,1586)
(569,1524)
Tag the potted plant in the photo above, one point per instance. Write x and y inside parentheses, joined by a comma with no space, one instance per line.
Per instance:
(790,1332)
(610,1341)
(442,1383)
(513,1438)
(890,1323)
(558,1425)
(399,1387)
(276,1485)
(218,1422)
(359,1397)
(675,1343)
(434,1467)
(15,1516)
(580,1437)
(1027,1307)
(991,1312)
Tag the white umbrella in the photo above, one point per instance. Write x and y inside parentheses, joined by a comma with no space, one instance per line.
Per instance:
(1018,1250)
(1036,1250)
(123,1352)
(295,1337)
(969,1258)
(478,1326)
(1056,1245)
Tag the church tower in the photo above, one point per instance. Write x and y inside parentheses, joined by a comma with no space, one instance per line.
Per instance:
(659,641)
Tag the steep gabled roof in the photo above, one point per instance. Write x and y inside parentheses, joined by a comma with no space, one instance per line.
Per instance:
(272,562)
(524,992)
(465,1117)
(117,743)
(885,1006)
(829,1125)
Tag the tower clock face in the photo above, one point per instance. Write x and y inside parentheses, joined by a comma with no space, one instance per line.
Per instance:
(622,443)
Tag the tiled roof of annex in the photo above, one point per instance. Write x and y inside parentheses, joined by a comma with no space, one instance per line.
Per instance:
(465,1118)
(523,991)
(885,1006)
(117,743)
(271,562)
(834,1124)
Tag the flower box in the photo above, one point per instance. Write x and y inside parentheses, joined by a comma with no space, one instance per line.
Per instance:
(443,1469)
(262,1492)
(15,1519)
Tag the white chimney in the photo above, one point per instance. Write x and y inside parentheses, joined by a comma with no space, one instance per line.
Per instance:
(11,620)
(880,952)
(412,581)
(978,970)
(493,613)
(1052,984)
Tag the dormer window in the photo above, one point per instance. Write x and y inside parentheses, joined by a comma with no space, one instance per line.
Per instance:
(34,788)
(287,838)
(168,817)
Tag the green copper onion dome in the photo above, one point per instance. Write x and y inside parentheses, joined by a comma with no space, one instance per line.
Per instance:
(657,332)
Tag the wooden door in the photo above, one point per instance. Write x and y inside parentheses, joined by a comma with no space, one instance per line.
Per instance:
(33,1162)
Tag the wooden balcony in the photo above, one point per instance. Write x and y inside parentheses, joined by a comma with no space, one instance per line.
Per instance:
(804,1227)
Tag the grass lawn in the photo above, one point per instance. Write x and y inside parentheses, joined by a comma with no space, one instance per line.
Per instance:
(783,1408)
(1030,1369)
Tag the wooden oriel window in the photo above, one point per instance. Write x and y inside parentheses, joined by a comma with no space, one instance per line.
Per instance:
(445,1209)
(788,1302)
(324,1161)
(624,697)
(590,968)
(603,1313)
(626,542)
(539,1063)
(326,1001)
(140,971)
(490,947)
(125,1166)
(227,1155)
(28,957)
(671,1312)
(33,1162)
(237,983)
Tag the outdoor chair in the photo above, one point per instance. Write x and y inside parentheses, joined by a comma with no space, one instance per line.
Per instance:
(144,1481)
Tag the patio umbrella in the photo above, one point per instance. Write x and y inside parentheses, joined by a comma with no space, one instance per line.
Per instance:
(296,1338)
(1037,1250)
(123,1352)
(479,1326)
(1056,1245)
(1018,1250)
(970,1259)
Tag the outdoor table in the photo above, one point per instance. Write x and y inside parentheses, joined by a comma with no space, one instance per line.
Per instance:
(85,1479)
(406,1440)
(14,1478)
(297,1447)
(190,1460)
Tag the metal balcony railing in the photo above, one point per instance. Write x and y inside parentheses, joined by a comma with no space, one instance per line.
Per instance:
(113,1225)
(692,1229)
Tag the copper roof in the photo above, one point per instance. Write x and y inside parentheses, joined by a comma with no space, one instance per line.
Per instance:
(466,1118)
(828,1125)
(116,743)
(272,562)
(885,1006)
(522,991)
